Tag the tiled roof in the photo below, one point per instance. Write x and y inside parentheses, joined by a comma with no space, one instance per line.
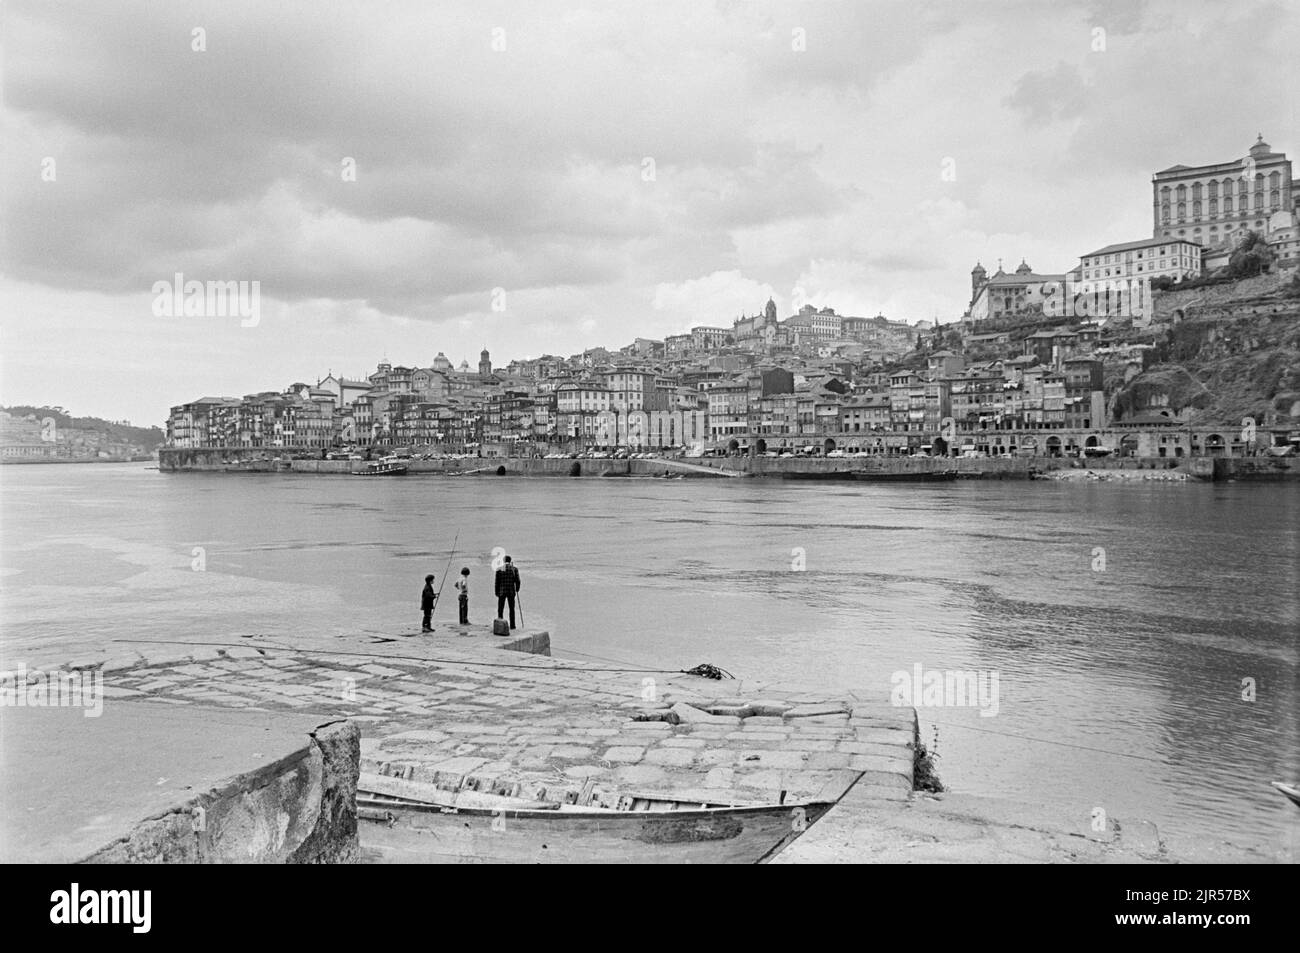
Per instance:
(1144,243)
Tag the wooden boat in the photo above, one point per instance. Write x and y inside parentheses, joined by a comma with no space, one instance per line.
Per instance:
(382,469)
(1290,791)
(424,824)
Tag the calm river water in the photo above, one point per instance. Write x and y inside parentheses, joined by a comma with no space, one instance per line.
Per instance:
(1120,620)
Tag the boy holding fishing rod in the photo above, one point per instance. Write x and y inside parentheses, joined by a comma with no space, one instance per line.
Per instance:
(429,598)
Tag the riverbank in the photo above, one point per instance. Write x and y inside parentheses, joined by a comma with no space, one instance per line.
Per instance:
(455,711)
(869,469)
(25,461)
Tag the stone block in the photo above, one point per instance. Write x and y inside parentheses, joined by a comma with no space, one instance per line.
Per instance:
(677,757)
(625,753)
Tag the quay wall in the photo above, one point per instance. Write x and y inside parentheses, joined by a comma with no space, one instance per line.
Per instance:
(298,810)
(1261,468)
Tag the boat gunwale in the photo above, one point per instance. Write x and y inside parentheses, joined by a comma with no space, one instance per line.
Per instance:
(589,813)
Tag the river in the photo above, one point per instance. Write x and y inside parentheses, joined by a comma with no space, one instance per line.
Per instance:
(1143,636)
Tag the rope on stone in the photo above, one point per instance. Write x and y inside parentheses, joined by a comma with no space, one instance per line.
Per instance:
(708,671)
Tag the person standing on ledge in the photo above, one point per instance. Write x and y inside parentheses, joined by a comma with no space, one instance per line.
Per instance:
(427,599)
(507,585)
(462,586)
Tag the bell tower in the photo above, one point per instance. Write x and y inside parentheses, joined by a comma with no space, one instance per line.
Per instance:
(484,362)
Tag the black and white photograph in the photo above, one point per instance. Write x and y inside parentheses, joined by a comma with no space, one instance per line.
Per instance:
(891,411)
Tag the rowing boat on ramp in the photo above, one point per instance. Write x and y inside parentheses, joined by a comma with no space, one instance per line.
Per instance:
(402,821)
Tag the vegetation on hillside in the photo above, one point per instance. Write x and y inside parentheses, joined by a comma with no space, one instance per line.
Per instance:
(147,437)
(1222,370)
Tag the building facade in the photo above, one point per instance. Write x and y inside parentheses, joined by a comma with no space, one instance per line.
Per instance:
(1207,204)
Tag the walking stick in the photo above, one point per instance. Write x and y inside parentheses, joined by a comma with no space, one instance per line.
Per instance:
(438,599)
(519,598)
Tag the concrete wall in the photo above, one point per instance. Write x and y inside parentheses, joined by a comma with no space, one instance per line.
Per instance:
(298,809)
(999,467)
(1201,300)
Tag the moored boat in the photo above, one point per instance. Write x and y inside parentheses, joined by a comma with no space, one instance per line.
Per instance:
(471,827)
(1290,791)
(382,469)
(905,476)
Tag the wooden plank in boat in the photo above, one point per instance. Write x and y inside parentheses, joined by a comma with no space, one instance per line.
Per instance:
(429,794)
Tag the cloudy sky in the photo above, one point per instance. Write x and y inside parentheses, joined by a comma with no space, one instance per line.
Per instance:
(409,178)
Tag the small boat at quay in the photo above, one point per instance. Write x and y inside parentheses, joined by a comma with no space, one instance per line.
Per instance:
(382,469)
(410,822)
(1290,791)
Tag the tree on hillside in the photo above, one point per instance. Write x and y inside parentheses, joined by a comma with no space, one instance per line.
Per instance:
(1252,257)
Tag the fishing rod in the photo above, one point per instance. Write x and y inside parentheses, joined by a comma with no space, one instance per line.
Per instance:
(438,598)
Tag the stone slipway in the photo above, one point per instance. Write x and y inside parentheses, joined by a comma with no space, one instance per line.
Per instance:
(151,782)
(957,828)
(453,709)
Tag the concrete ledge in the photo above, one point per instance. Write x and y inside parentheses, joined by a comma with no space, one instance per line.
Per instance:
(528,641)
(157,783)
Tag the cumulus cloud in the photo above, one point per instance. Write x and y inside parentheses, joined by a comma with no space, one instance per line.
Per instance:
(617,169)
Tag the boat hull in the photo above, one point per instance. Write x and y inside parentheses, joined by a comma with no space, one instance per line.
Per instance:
(1291,793)
(884,476)
(428,834)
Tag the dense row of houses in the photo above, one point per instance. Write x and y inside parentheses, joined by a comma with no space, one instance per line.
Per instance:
(814,377)
(729,399)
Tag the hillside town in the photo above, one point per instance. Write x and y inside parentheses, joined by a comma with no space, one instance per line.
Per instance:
(1040,363)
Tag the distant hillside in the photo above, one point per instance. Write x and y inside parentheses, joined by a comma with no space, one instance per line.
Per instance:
(146,437)
(1221,354)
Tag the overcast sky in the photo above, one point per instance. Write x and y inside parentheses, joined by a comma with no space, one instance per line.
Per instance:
(618,169)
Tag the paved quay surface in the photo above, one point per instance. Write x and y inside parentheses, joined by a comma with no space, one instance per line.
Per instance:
(960,828)
(456,710)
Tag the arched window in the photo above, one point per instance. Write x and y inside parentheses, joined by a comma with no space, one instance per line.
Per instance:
(1196,190)
(1214,206)
(1164,213)
(1182,211)
(1196,209)
(1227,205)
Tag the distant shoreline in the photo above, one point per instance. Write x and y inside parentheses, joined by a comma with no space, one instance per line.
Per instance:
(38,460)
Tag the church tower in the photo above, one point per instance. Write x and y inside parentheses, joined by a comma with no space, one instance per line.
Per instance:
(769,312)
(977,278)
(484,363)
